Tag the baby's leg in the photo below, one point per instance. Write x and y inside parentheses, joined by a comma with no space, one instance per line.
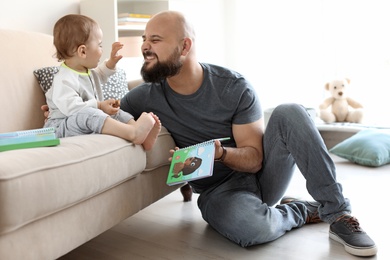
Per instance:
(134,131)
(153,134)
(143,126)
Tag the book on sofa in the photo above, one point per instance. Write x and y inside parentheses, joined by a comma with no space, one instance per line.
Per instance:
(28,139)
(192,162)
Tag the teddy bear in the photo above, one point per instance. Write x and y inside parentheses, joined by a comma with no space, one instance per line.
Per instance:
(342,107)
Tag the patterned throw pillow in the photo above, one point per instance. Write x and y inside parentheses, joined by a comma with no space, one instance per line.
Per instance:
(45,77)
(116,86)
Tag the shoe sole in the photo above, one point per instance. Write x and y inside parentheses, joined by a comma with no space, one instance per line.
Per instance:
(359,251)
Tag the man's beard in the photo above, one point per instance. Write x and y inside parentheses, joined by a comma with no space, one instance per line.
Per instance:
(162,70)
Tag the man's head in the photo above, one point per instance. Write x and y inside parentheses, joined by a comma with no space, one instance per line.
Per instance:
(168,39)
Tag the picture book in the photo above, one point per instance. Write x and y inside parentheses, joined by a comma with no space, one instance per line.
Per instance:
(28,139)
(192,162)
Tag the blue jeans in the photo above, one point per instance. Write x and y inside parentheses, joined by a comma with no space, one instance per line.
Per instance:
(241,208)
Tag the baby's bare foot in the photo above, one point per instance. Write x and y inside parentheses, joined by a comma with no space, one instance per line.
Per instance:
(153,134)
(143,126)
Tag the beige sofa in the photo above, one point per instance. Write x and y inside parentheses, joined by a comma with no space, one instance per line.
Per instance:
(53,199)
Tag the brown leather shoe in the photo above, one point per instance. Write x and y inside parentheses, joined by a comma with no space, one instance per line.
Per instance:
(311,207)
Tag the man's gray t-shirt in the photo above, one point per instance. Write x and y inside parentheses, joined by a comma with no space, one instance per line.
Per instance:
(224,98)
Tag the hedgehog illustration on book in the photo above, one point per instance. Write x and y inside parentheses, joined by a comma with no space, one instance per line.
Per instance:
(190,165)
(192,162)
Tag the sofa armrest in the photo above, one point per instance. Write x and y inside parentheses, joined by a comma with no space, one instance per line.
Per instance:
(158,156)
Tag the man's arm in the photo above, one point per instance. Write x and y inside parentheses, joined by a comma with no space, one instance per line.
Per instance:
(248,156)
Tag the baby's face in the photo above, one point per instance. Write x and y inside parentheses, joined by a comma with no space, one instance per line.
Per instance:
(94,49)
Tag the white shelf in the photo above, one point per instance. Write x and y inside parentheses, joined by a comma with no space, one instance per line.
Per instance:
(131,27)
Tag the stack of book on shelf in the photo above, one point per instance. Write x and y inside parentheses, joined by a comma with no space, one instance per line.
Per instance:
(28,139)
(133,19)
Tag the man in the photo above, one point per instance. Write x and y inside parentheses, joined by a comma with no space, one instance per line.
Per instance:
(197,102)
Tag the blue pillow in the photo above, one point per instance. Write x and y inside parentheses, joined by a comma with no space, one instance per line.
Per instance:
(370,147)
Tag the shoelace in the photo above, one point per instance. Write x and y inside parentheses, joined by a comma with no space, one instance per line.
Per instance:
(352,224)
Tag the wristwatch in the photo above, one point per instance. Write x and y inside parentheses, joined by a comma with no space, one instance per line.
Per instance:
(220,159)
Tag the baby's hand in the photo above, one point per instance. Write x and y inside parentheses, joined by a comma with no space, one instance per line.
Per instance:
(108,106)
(116,104)
(114,57)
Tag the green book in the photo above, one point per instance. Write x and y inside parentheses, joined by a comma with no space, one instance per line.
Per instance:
(28,139)
(192,162)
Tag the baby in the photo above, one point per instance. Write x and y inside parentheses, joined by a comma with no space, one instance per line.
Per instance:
(75,100)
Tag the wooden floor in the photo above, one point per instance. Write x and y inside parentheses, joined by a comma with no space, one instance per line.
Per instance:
(172,229)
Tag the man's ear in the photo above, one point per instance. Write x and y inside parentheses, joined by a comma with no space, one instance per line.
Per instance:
(187,44)
(82,51)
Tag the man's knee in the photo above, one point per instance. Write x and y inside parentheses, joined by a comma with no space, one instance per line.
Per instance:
(288,108)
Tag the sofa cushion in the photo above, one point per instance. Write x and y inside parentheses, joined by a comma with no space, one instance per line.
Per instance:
(116,86)
(21,98)
(37,182)
(159,155)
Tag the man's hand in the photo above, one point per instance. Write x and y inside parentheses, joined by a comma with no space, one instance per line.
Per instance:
(114,57)
(171,151)
(218,149)
(45,109)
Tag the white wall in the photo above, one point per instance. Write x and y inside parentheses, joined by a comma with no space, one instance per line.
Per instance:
(208,18)
(276,45)
(35,15)
(290,49)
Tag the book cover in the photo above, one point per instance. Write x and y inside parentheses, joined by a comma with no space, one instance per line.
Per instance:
(28,139)
(192,163)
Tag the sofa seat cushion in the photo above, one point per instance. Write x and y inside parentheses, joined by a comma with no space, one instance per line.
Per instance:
(38,182)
